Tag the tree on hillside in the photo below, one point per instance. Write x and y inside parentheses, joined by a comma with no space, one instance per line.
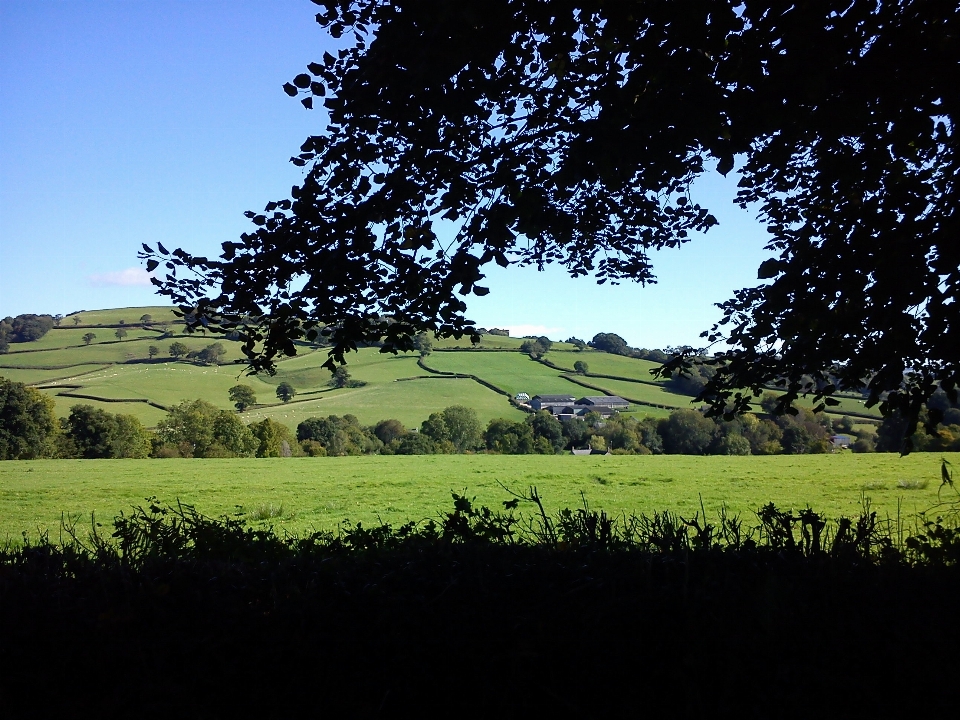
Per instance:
(76,319)
(146,319)
(153,351)
(610,343)
(242,397)
(120,333)
(572,132)
(25,328)
(340,378)
(581,367)
(286,391)
(28,424)
(57,319)
(422,344)
(178,350)
(212,354)
(693,381)
(88,338)
(533,347)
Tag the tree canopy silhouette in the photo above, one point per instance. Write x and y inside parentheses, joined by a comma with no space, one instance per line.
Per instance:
(570,131)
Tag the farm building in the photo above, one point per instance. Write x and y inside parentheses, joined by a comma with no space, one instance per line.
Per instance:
(614,402)
(546,402)
(564,407)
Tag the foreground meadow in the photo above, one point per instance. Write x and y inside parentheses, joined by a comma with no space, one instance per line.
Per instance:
(302,494)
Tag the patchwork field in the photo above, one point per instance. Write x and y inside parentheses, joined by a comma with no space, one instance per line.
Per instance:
(606,364)
(318,493)
(512,372)
(119,376)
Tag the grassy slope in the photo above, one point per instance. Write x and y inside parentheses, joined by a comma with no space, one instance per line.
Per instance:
(607,364)
(320,492)
(411,402)
(73,337)
(493,341)
(130,316)
(167,383)
(35,375)
(634,391)
(513,372)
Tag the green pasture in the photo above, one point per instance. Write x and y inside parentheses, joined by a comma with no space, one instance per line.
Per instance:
(146,414)
(318,493)
(72,337)
(37,375)
(493,341)
(107,349)
(130,316)
(410,402)
(304,372)
(109,369)
(513,372)
(170,383)
(607,364)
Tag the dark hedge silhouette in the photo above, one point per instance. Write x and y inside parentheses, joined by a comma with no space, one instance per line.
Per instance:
(483,613)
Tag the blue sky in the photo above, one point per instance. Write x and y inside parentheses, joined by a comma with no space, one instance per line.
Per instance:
(131,121)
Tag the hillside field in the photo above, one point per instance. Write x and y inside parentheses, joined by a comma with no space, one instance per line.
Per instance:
(120,376)
(319,493)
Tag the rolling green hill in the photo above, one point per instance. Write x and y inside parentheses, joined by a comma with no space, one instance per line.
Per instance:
(119,376)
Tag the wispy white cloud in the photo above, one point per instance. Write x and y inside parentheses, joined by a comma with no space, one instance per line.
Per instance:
(124,278)
(520,330)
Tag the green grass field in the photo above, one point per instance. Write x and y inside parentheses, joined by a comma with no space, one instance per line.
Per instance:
(512,372)
(318,493)
(130,316)
(38,376)
(607,364)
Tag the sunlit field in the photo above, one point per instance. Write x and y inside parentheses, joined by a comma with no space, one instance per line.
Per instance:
(302,494)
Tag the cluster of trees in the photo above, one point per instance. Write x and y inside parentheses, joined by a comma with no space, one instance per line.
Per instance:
(23,328)
(92,433)
(210,355)
(27,422)
(536,346)
(341,379)
(29,429)
(198,429)
(616,345)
